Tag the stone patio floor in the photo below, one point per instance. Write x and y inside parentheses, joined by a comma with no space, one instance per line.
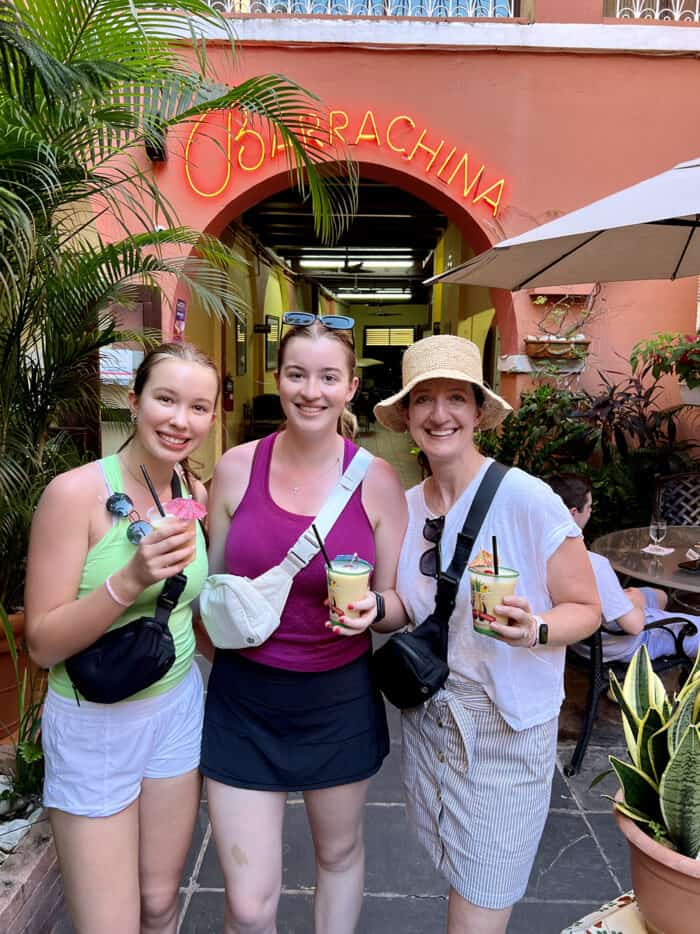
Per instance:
(582,860)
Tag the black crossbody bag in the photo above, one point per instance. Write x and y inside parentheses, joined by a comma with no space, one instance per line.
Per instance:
(412,666)
(131,658)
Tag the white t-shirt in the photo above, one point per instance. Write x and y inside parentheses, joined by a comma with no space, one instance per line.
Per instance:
(614,603)
(530,522)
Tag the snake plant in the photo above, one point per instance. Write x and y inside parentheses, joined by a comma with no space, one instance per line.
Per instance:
(660,785)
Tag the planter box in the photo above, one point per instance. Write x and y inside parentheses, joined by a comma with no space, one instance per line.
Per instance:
(8,682)
(557,350)
(31,897)
(690,396)
(666,884)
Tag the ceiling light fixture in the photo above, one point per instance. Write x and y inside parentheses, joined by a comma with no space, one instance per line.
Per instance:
(388,264)
(374,296)
(309,263)
(321,263)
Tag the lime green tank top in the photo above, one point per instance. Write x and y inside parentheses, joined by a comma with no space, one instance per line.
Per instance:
(110,554)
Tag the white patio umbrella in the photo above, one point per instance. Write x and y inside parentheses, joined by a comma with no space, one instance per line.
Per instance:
(647,231)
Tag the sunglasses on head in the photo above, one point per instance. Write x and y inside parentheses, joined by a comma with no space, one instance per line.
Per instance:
(429,563)
(119,504)
(303,319)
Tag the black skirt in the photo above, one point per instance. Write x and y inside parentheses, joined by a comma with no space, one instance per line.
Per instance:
(270,729)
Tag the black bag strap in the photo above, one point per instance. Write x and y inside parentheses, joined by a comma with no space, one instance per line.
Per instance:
(448,581)
(168,598)
(173,587)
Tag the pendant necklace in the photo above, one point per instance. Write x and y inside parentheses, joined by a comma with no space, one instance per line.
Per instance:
(334,466)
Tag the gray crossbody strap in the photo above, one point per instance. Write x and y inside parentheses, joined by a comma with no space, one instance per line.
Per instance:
(306,546)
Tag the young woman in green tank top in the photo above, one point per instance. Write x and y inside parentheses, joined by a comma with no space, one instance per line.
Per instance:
(122,780)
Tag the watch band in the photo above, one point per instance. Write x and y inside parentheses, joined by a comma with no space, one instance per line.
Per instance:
(381,607)
(541,631)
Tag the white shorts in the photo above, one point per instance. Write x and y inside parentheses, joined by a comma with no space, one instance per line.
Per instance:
(97,755)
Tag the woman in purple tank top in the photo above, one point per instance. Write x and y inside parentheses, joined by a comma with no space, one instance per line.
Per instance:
(299,713)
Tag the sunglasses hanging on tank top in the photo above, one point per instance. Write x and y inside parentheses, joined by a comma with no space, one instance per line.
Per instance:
(132,657)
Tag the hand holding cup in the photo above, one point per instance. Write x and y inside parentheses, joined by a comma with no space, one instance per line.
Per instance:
(352,607)
(517,625)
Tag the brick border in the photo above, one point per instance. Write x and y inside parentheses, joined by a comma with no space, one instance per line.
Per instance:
(31,888)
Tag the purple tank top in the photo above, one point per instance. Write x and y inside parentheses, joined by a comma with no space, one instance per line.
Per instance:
(261,534)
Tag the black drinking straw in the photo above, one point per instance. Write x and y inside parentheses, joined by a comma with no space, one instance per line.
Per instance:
(494,549)
(323,550)
(152,489)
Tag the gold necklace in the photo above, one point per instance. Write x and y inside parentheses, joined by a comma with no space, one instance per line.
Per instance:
(326,470)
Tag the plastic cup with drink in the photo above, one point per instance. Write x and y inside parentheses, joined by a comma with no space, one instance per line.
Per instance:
(156,519)
(490,582)
(488,591)
(348,582)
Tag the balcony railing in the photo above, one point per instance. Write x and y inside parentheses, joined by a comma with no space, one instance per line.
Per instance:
(434,9)
(677,11)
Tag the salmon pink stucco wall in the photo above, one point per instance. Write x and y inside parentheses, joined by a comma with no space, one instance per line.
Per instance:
(552,130)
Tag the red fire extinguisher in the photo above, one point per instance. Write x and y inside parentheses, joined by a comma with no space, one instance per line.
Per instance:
(227,393)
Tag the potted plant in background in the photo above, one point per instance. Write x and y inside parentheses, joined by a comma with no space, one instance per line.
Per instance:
(658,805)
(21,795)
(561,336)
(675,353)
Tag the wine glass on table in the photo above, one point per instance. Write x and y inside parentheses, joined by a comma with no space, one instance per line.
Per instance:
(657,530)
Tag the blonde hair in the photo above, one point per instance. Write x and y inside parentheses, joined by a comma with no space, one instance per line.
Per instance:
(347,422)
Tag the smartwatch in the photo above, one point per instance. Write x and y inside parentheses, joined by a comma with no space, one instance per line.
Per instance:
(381,608)
(541,631)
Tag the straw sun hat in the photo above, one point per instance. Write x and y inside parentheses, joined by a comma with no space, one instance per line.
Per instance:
(443,356)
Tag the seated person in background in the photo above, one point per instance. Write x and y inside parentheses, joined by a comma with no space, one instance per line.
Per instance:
(627,609)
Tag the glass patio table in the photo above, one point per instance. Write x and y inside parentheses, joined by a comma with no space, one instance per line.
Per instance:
(624,551)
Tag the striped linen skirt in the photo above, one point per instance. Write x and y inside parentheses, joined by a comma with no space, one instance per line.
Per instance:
(477,792)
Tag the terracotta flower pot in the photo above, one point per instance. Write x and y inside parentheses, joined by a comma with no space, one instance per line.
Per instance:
(666,884)
(557,349)
(8,682)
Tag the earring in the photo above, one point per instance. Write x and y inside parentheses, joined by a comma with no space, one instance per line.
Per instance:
(134,418)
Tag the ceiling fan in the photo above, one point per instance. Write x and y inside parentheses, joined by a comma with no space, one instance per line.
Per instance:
(349,267)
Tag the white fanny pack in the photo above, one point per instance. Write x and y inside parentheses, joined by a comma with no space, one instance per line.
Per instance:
(240,612)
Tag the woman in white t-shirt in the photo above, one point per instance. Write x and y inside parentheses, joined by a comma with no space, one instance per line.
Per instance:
(478,758)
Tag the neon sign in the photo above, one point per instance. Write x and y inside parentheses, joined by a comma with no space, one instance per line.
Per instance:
(221,145)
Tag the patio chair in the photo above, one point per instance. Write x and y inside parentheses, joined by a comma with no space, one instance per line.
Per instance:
(599,675)
(677,500)
(262,415)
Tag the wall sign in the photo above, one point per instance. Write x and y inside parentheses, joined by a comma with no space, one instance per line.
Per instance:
(225,145)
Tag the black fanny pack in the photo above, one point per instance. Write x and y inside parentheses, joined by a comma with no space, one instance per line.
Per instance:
(132,657)
(412,666)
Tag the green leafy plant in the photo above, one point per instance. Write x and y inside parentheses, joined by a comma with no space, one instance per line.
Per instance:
(670,352)
(543,434)
(620,437)
(659,784)
(83,88)
(30,686)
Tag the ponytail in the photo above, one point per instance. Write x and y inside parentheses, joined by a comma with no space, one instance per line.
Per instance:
(347,424)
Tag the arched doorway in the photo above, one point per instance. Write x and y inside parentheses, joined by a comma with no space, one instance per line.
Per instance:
(262,219)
